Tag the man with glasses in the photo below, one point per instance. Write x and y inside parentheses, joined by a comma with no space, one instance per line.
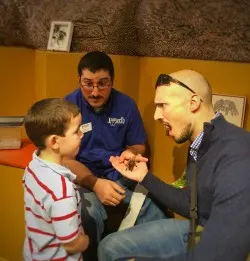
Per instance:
(217,195)
(112,125)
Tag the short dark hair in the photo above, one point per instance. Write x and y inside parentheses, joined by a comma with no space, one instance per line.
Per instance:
(96,61)
(49,116)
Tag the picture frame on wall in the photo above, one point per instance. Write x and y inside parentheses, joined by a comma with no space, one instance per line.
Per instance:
(232,107)
(60,36)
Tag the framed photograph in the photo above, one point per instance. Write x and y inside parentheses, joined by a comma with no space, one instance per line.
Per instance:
(60,36)
(232,107)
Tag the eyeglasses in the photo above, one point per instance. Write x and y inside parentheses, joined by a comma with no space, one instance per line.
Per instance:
(166,79)
(101,85)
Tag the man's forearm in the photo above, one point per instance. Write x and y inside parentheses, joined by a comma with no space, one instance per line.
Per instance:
(84,176)
(169,196)
(137,149)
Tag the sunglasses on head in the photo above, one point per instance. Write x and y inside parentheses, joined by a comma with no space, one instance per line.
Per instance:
(167,79)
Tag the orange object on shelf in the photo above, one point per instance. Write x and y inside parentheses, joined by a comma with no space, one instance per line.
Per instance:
(18,157)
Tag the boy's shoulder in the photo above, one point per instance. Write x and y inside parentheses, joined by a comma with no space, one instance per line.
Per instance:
(53,179)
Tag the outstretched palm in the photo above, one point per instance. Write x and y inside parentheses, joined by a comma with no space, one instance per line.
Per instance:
(139,171)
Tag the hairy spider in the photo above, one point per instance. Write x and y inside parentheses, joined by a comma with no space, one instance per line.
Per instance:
(131,164)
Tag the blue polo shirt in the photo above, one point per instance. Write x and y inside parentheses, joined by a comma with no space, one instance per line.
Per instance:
(118,125)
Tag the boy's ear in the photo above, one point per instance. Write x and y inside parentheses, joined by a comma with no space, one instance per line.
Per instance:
(52,142)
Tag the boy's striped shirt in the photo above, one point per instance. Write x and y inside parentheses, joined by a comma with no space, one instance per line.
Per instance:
(52,211)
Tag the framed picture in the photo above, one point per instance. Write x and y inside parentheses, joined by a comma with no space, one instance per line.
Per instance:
(60,36)
(232,107)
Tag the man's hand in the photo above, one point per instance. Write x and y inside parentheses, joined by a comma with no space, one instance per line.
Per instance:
(108,192)
(139,171)
(126,155)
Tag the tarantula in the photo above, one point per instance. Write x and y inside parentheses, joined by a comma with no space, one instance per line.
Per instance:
(131,164)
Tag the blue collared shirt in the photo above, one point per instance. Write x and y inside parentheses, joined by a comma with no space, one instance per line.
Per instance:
(118,125)
(194,147)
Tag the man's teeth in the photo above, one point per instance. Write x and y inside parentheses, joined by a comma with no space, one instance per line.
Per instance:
(167,129)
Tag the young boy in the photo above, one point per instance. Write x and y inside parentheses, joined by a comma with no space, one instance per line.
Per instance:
(52,201)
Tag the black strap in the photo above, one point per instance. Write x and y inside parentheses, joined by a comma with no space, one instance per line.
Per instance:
(193,207)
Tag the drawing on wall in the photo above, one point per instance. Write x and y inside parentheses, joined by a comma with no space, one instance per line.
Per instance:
(60,36)
(232,107)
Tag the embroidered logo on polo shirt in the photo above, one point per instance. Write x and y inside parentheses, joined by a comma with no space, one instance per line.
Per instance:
(114,121)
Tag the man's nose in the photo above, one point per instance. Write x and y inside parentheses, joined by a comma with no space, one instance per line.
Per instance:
(158,114)
(95,91)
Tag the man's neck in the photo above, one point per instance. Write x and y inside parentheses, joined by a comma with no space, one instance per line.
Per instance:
(97,110)
(205,117)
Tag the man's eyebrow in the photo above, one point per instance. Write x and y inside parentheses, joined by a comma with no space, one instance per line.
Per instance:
(87,79)
(104,78)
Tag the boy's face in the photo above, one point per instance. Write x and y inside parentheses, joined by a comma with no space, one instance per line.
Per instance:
(69,144)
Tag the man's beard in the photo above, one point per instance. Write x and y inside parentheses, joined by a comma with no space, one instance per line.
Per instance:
(185,135)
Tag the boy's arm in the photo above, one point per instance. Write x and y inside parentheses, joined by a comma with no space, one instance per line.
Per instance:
(66,221)
(79,244)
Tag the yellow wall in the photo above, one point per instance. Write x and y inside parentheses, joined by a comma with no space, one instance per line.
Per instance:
(12,213)
(56,74)
(29,75)
(16,80)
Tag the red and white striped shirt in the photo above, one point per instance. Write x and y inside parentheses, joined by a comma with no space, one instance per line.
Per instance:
(52,211)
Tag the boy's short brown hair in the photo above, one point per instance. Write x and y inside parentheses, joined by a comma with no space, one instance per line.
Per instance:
(49,116)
